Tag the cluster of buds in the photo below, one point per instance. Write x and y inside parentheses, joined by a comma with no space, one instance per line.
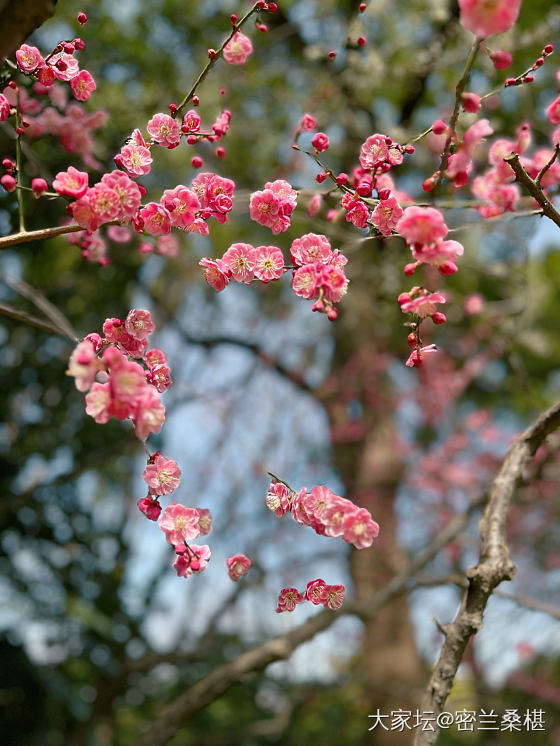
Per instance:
(527,76)
(317,591)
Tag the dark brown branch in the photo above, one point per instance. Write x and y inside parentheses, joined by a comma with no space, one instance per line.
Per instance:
(18,19)
(494,566)
(219,681)
(533,186)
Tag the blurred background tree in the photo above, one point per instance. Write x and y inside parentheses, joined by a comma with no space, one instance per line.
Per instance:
(97,633)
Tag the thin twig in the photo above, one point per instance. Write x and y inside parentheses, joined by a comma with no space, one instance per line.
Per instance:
(534,188)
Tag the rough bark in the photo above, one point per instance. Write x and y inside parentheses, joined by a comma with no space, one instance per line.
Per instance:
(18,19)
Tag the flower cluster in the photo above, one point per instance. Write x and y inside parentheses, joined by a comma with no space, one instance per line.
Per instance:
(117,385)
(60,64)
(317,591)
(424,230)
(181,525)
(318,270)
(273,206)
(328,514)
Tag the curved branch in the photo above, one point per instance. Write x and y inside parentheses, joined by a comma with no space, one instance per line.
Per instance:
(27,236)
(494,566)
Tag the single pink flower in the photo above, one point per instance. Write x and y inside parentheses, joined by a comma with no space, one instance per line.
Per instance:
(320,142)
(238,49)
(240,261)
(278,499)
(373,152)
(306,280)
(127,191)
(333,596)
(288,599)
(150,507)
(311,247)
(157,219)
(150,413)
(82,85)
(308,123)
(167,245)
(179,523)
(487,17)
(314,591)
(69,64)
(71,183)
(360,529)
(162,475)
(98,402)
(216,273)
(29,58)
(182,205)
(269,263)
(164,130)
(386,215)
(238,565)
(136,159)
(4,108)
(139,324)
(422,225)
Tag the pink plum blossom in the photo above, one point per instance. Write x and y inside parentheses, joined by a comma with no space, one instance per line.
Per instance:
(553,111)
(333,596)
(360,529)
(182,205)
(162,475)
(179,523)
(136,159)
(4,108)
(268,263)
(127,191)
(373,152)
(238,565)
(311,247)
(71,183)
(29,58)
(422,225)
(157,219)
(98,402)
(216,273)
(308,123)
(386,215)
(150,414)
(238,49)
(150,507)
(82,85)
(278,499)
(71,66)
(139,324)
(288,599)
(487,17)
(192,561)
(164,130)
(240,261)
(314,591)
